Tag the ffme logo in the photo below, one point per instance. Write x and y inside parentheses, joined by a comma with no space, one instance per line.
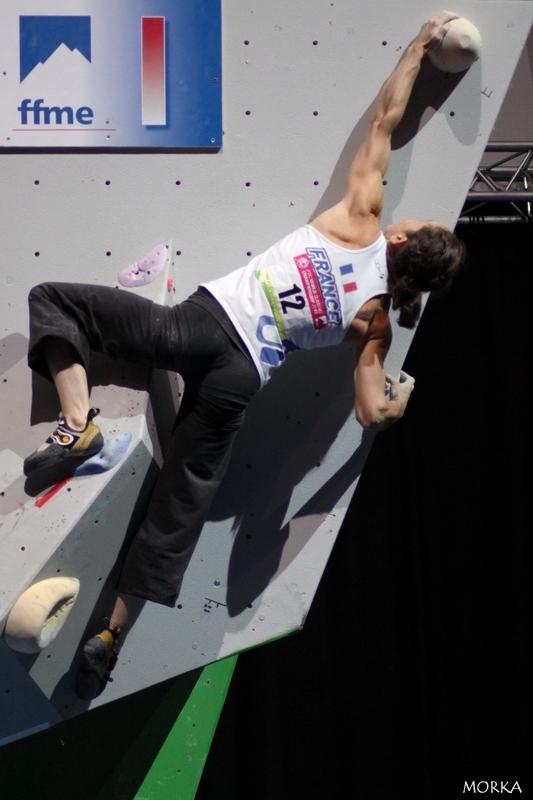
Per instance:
(40,38)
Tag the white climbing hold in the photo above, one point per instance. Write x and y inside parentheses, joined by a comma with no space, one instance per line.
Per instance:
(460,47)
(40,613)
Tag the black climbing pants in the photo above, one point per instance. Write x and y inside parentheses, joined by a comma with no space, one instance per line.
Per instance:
(220,379)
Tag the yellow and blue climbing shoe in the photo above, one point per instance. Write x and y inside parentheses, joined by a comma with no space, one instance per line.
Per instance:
(65,443)
(101,654)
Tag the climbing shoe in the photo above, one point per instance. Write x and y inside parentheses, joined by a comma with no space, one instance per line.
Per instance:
(101,654)
(65,443)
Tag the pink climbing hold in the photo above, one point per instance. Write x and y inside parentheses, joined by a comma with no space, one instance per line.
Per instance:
(170,284)
(146,270)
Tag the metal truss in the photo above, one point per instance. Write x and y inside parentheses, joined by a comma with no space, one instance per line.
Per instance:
(505,186)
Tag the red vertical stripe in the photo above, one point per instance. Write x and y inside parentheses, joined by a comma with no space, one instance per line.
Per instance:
(153,71)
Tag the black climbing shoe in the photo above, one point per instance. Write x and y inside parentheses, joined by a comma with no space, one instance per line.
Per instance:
(101,654)
(65,443)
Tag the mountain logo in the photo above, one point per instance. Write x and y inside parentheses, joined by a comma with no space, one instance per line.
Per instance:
(40,36)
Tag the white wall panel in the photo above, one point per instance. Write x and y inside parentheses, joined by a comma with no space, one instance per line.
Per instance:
(299,455)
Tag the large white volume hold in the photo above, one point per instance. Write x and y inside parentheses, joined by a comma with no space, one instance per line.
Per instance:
(460,47)
(40,613)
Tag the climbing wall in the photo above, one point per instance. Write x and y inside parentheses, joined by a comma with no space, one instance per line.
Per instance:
(298,84)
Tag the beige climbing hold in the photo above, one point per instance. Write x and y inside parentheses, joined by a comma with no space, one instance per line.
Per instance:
(40,613)
(460,47)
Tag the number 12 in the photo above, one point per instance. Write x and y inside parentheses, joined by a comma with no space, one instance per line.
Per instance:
(295,292)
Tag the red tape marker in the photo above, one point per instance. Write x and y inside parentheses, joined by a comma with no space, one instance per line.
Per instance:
(51,492)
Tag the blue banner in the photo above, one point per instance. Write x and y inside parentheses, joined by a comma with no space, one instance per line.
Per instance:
(131,73)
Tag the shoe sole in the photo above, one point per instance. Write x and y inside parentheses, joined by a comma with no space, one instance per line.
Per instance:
(89,684)
(40,480)
(95,656)
(91,680)
(62,456)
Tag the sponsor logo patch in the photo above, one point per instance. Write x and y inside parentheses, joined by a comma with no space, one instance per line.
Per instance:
(311,286)
(266,284)
(328,284)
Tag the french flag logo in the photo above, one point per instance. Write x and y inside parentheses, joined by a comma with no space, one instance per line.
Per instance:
(347,277)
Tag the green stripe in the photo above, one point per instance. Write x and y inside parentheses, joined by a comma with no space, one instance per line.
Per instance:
(264,279)
(176,772)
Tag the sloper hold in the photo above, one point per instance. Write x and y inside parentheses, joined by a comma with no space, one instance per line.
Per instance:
(109,456)
(459,49)
(40,613)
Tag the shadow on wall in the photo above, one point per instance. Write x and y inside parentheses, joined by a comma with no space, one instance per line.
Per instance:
(104,372)
(77,551)
(64,697)
(430,92)
(12,348)
(293,422)
(289,428)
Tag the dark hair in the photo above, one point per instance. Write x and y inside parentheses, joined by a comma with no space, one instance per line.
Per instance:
(428,261)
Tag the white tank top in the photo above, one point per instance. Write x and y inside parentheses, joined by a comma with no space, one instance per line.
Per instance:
(303,292)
